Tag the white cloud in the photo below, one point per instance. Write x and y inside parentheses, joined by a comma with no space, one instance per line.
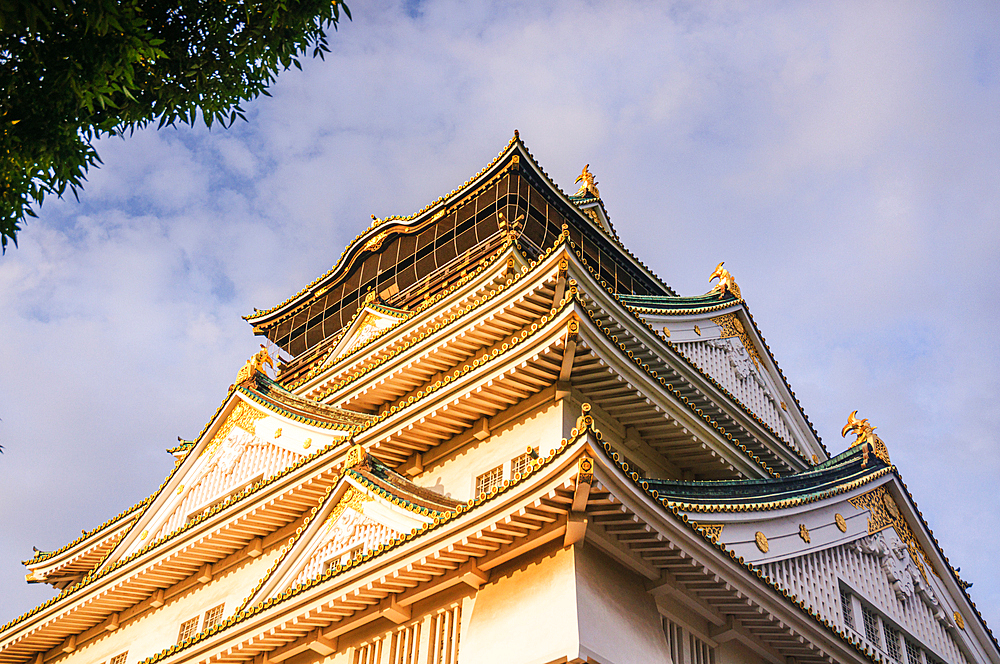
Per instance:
(840,158)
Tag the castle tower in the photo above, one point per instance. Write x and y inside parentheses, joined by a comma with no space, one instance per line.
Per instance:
(497,436)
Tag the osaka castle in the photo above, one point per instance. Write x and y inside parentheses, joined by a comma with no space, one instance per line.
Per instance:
(490,434)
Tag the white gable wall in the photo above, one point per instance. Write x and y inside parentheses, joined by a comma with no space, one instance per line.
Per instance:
(815,579)
(242,458)
(751,388)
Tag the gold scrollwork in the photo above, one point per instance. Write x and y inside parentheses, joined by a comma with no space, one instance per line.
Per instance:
(733,327)
(804,533)
(761,540)
(883,513)
(711,530)
(376,242)
(243,416)
(585,470)
(353,499)
(356,457)
(959,620)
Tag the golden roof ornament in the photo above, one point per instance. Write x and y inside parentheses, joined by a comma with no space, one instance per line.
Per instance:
(254,364)
(866,437)
(727,283)
(357,458)
(589,186)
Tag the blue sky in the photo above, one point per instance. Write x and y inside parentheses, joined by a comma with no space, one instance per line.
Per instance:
(842,158)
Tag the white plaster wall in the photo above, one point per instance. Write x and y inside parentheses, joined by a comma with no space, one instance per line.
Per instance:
(526,616)
(618,620)
(157,629)
(455,476)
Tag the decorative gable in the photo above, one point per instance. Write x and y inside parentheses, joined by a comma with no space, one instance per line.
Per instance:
(370,322)
(243,451)
(370,507)
(347,533)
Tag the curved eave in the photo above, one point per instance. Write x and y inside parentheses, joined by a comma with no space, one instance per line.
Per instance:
(700,305)
(80,544)
(779,493)
(658,305)
(504,160)
(279,401)
(319,285)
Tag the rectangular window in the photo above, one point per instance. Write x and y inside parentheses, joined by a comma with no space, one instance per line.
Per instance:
(871,626)
(521,464)
(488,480)
(213,617)
(675,640)
(119,659)
(912,653)
(892,642)
(344,558)
(700,652)
(847,608)
(188,629)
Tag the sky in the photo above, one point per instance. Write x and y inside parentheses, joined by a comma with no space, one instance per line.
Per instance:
(843,159)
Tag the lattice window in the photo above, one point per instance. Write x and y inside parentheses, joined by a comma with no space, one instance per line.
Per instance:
(847,608)
(369,653)
(701,653)
(871,626)
(444,636)
(675,640)
(892,642)
(405,645)
(119,659)
(344,558)
(521,464)
(188,629)
(912,653)
(213,617)
(491,478)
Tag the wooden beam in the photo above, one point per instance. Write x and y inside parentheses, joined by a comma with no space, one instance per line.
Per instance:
(566,369)
(472,575)
(394,611)
(576,528)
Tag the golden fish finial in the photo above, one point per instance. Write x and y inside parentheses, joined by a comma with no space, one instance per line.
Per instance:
(589,185)
(726,282)
(254,364)
(866,437)
(861,428)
